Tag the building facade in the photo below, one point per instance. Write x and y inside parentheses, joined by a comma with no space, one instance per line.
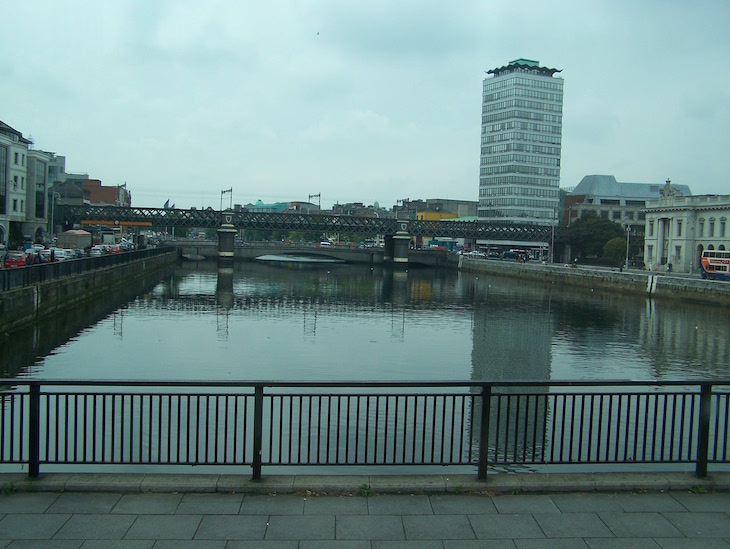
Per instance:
(623,203)
(679,228)
(519,173)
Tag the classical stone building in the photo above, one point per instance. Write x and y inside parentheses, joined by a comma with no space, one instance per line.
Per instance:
(679,228)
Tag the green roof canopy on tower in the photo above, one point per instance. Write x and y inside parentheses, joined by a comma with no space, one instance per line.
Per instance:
(523,64)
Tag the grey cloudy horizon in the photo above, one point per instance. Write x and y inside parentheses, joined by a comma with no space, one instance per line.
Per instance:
(360,102)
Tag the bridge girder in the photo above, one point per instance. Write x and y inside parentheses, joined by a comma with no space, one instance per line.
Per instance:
(319,223)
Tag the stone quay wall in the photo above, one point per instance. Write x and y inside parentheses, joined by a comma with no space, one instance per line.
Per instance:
(22,306)
(648,284)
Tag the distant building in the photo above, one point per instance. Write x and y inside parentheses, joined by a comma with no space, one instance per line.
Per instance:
(260,207)
(623,203)
(100,195)
(522,120)
(679,228)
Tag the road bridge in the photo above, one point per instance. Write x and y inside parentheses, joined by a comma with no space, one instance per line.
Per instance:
(397,232)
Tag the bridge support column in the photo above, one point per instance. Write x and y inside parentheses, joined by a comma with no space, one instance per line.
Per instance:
(226,239)
(401,243)
(388,249)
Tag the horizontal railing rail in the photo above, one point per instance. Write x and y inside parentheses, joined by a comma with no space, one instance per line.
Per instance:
(21,277)
(308,423)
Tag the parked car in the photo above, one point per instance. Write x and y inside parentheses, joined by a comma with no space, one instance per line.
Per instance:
(114,249)
(96,251)
(45,256)
(14,259)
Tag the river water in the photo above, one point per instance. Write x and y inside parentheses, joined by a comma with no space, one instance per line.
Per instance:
(344,322)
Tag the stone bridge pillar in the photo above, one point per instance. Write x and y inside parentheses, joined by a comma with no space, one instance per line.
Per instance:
(226,238)
(401,243)
(388,248)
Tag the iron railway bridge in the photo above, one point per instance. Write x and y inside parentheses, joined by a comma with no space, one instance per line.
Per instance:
(316,223)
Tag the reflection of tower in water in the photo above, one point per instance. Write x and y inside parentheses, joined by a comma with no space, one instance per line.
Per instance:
(511,342)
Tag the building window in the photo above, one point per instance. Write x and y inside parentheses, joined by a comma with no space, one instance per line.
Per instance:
(641,216)
(677,253)
(616,214)
(22,206)
(701,228)
(15,158)
(15,204)
(711,228)
(22,182)
(679,227)
(651,228)
(23,160)
(722,228)
(650,252)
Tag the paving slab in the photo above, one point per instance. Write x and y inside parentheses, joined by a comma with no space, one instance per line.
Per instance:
(31,526)
(27,502)
(120,544)
(420,544)
(369,527)
(399,505)
(97,527)
(694,525)
(210,504)
(334,505)
(49,544)
(294,527)
(576,525)
(164,527)
(703,503)
(585,502)
(278,544)
(639,525)
(148,503)
(186,544)
(438,527)
(55,482)
(693,543)
(649,502)
(272,505)
(525,503)
(555,543)
(335,544)
(456,505)
(622,543)
(84,502)
(505,526)
(477,544)
(231,527)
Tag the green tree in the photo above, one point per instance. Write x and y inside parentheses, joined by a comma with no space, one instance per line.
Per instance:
(615,249)
(589,233)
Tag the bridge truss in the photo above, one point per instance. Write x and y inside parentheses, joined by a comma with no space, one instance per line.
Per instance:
(318,223)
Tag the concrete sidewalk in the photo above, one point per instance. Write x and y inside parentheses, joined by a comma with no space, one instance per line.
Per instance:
(448,512)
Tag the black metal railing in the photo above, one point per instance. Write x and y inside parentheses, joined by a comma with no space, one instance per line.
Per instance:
(479,424)
(34,274)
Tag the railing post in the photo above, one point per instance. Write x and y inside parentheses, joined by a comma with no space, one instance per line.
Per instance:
(703,440)
(34,430)
(484,433)
(258,429)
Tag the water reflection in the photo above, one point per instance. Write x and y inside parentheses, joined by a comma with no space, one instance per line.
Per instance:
(361,323)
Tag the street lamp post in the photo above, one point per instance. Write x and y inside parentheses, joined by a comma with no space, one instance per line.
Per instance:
(53,205)
(628,241)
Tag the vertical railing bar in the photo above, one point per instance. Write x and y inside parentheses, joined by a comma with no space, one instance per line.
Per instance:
(257,432)
(329,429)
(703,435)
(367,428)
(310,435)
(681,427)
(462,430)
(637,418)
(673,428)
(434,399)
(216,430)
(338,423)
(234,430)
(358,399)
(545,402)
(34,429)
(347,428)
(589,421)
(375,429)
(567,431)
(581,426)
(526,428)
(396,400)
(291,428)
(486,397)
(452,445)
(691,439)
(423,422)
(443,424)
(386,421)
(319,429)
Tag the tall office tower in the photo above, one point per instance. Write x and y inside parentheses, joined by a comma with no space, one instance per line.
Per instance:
(519,174)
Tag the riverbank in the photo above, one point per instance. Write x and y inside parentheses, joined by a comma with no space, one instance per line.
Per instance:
(642,283)
(26,305)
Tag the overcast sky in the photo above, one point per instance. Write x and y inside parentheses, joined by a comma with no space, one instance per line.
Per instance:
(359,101)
